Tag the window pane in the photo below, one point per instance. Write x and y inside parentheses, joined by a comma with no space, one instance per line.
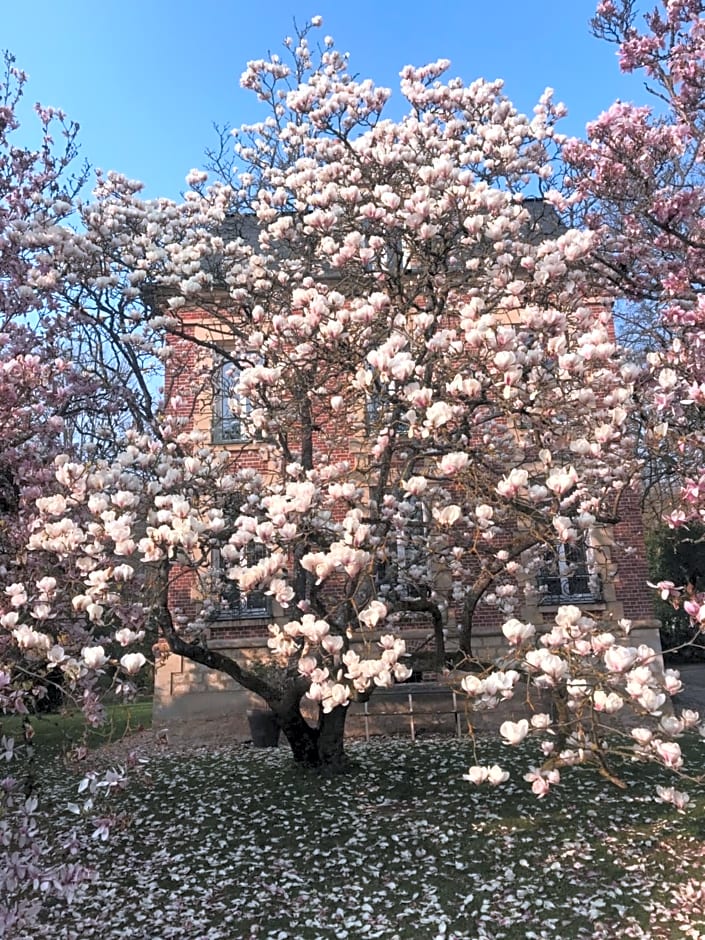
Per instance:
(566,576)
(227,426)
(233,603)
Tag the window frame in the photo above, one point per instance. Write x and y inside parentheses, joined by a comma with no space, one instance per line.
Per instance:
(564,570)
(226,426)
(234,604)
(391,573)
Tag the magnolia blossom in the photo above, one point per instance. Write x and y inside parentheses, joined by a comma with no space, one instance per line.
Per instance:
(489,690)
(10,619)
(672,681)
(17,594)
(670,795)
(542,780)
(562,480)
(642,735)
(514,732)
(56,655)
(668,752)
(306,665)
(332,644)
(552,668)
(94,657)
(448,515)
(690,718)
(125,636)
(372,614)
(132,663)
(512,484)
(31,640)
(568,615)
(672,725)
(453,463)
(494,775)
(608,702)
(517,632)
(651,700)
(620,658)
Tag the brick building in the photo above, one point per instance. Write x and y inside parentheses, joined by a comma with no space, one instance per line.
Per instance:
(604,571)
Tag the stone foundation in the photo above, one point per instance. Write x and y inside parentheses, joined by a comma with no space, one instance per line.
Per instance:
(185,691)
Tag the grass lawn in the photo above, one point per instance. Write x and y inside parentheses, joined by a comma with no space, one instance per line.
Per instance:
(243,844)
(56,733)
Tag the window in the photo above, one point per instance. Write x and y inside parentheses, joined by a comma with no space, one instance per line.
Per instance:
(227,422)
(402,572)
(568,574)
(234,604)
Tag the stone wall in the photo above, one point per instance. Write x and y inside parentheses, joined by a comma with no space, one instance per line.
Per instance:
(185,691)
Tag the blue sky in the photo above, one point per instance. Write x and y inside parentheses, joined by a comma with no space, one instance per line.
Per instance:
(146,80)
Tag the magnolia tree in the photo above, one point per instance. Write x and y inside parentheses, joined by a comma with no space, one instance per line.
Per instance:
(417,373)
(409,355)
(415,365)
(637,184)
(42,396)
(640,173)
(36,383)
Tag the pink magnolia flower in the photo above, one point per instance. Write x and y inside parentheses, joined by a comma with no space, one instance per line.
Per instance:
(471,684)
(512,484)
(17,594)
(542,780)
(666,589)
(669,753)
(372,614)
(337,695)
(553,667)
(29,639)
(670,795)
(561,480)
(306,665)
(608,702)
(332,644)
(620,658)
(453,463)
(447,516)
(56,655)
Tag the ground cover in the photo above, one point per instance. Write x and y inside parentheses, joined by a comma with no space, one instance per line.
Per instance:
(235,843)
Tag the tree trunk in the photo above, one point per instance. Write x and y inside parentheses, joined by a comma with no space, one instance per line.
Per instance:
(319,748)
(331,736)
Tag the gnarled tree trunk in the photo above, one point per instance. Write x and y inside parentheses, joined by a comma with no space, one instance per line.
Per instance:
(319,747)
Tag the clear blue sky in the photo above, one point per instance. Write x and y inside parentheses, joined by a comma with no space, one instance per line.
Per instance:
(147,78)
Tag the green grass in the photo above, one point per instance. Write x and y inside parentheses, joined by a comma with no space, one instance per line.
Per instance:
(241,843)
(59,732)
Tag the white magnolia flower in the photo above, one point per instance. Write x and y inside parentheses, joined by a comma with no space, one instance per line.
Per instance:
(517,632)
(94,656)
(493,775)
(132,663)
(514,731)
